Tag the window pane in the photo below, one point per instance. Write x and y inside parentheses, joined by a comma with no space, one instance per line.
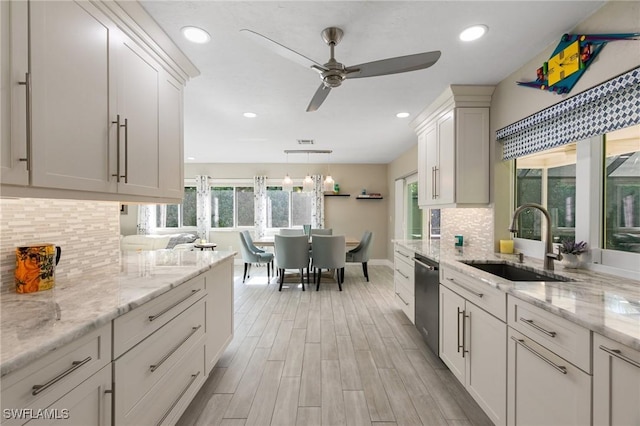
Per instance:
(434,223)
(277,207)
(222,207)
(189,207)
(414,213)
(172,215)
(561,202)
(528,190)
(245,206)
(622,190)
(300,207)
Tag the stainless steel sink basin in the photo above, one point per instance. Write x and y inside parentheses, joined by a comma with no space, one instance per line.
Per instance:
(514,273)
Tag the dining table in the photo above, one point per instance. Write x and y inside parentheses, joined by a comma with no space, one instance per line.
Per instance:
(267,241)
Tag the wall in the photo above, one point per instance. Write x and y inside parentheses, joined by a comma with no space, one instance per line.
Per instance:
(87,231)
(511,103)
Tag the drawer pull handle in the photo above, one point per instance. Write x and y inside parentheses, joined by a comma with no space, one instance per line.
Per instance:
(475,293)
(521,342)
(157,365)
(74,366)
(537,327)
(186,388)
(398,294)
(402,254)
(618,354)
(156,316)
(400,272)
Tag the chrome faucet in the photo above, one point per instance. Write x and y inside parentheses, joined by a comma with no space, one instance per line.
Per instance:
(549,255)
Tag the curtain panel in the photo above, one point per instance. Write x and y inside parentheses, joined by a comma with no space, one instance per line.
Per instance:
(317,202)
(146,219)
(260,205)
(203,206)
(612,105)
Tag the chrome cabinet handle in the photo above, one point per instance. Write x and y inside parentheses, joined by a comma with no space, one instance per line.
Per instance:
(172,406)
(126,151)
(521,342)
(460,346)
(154,367)
(537,327)
(27,85)
(117,123)
(398,271)
(156,316)
(398,294)
(402,254)
(74,366)
(475,293)
(618,354)
(429,267)
(464,331)
(435,184)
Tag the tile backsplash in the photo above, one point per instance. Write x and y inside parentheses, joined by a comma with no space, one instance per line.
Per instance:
(87,231)
(474,224)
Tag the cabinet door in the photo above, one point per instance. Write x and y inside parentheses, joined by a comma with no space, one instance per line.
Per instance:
(486,378)
(446,166)
(138,108)
(219,312)
(13,124)
(424,177)
(472,155)
(89,404)
(452,351)
(71,95)
(616,383)
(544,389)
(171,138)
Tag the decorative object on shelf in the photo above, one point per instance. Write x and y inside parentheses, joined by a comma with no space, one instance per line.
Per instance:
(459,240)
(570,60)
(370,195)
(336,188)
(571,252)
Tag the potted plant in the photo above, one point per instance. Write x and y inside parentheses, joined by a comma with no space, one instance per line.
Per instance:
(570,251)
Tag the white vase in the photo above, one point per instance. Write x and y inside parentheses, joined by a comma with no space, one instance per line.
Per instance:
(570,261)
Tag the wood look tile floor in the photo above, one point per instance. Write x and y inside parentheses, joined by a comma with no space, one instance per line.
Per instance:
(328,358)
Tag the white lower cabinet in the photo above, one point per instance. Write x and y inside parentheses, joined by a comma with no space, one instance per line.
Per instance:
(616,383)
(218,312)
(404,281)
(473,346)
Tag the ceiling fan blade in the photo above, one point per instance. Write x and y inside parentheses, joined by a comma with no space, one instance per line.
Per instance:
(318,98)
(396,65)
(281,50)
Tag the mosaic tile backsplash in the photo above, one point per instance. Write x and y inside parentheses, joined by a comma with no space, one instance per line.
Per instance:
(87,231)
(474,224)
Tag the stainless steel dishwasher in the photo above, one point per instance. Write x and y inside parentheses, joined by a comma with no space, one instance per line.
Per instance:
(427,282)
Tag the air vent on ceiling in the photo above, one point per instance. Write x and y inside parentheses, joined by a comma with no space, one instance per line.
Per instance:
(305,141)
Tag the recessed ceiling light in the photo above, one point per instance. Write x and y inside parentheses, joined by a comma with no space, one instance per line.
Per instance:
(196,35)
(250,114)
(191,158)
(473,33)
(402,114)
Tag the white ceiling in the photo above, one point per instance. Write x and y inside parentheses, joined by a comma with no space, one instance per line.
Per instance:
(357,121)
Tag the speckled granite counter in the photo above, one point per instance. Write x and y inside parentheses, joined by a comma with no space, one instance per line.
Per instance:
(34,324)
(603,303)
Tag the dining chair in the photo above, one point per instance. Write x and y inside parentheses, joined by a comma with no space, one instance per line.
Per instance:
(319,231)
(251,256)
(360,254)
(328,253)
(292,252)
(291,231)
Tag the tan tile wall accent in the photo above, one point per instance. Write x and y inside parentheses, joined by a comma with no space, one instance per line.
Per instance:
(474,224)
(87,231)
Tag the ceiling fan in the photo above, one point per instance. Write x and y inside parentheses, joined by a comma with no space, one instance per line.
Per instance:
(333,73)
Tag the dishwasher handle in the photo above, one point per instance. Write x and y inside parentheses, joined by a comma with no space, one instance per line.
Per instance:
(429,267)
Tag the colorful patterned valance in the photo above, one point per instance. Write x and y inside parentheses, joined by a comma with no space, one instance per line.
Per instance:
(612,105)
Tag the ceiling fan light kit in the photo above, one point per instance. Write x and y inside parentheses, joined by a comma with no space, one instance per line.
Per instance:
(333,73)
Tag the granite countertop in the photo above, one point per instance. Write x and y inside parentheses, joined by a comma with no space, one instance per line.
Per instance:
(34,324)
(606,304)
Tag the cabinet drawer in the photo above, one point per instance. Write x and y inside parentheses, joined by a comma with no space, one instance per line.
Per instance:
(480,294)
(405,274)
(568,340)
(141,368)
(403,254)
(167,400)
(406,301)
(55,374)
(131,328)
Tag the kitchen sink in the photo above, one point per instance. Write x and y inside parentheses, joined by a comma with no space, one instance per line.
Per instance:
(515,273)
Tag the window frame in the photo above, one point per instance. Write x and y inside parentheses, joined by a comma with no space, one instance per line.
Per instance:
(188,183)
(233,183)
(278,183)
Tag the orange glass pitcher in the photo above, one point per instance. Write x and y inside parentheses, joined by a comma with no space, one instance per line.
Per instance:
(35,267)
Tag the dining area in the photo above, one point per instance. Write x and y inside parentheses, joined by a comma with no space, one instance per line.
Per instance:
(294,254)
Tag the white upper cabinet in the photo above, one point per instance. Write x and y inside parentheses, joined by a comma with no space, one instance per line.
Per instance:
(453,148)
(101,114)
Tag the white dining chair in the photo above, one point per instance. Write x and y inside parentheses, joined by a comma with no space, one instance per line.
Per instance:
(292,252)
(328,253)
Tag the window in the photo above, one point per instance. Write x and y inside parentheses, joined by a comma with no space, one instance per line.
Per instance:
(232,206)
(287,209)
(178,215)
(622,190)
(548,178)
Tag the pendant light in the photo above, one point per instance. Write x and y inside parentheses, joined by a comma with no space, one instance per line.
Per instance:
(287,182)
(307,183)
(328,182)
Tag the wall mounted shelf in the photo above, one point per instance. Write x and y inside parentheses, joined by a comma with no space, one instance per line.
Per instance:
(368,198)
(337,195)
